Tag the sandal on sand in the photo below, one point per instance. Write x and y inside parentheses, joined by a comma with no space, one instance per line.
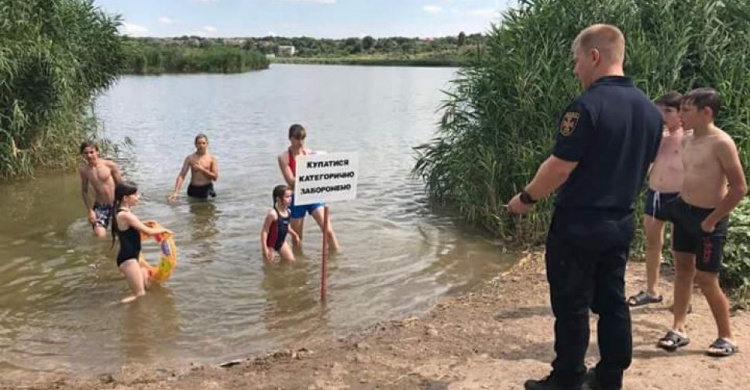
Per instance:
(642,298)
(722,348)
(672,341)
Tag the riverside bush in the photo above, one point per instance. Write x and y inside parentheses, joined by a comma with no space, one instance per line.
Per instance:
(736,272)
(55,55)
(499,119)
(155,58)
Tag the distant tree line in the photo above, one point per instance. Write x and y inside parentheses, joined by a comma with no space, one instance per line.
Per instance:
(307,47)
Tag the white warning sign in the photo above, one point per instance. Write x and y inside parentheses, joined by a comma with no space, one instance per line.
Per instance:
(326,178)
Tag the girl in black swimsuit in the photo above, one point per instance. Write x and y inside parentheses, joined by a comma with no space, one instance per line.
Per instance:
(127,228)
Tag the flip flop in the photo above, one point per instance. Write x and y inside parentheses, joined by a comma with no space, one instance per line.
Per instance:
(642,298)
(672,341)
(722,348)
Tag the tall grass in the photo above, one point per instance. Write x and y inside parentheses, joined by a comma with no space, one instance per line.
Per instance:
(499,120)
(736,272)
(155,58)
(55,55)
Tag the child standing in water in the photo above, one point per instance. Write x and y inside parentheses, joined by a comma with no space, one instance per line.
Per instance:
(276,226)
(204,171)
(103,175)
(127,228)
(288,165)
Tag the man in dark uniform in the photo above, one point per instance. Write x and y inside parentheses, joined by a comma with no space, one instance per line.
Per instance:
(607,138)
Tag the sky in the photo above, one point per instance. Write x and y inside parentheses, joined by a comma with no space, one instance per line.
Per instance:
(311,18)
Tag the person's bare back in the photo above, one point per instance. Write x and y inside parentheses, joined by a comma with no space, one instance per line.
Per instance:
(705,181)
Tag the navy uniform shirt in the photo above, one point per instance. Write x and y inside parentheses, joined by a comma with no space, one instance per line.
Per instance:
(613,131)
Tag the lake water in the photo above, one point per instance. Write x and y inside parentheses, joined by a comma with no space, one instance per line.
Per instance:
(59,287)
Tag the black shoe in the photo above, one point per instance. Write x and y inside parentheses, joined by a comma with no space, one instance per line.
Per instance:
(547,383)
(592,382)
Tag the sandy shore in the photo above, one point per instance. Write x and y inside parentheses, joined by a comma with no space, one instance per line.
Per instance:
(493,338)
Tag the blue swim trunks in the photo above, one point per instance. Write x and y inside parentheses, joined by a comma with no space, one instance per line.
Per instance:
(299,211)
(103,215)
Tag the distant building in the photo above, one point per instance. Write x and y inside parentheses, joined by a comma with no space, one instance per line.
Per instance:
(235,41)
(286,51)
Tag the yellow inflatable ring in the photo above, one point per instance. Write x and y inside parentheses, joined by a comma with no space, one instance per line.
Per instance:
(168,251)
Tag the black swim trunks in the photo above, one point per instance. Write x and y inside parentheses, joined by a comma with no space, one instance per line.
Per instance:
(103,215)
(201,192)
(656,204)
(689,237)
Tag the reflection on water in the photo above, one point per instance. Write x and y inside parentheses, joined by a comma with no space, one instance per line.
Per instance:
(59,286)
(292,294)
(203,228)
(150,327)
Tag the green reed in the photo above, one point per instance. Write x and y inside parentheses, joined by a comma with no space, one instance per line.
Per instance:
(499,119)
(55,55)
(154,58)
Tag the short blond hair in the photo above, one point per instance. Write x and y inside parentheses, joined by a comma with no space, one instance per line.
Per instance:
(606,38)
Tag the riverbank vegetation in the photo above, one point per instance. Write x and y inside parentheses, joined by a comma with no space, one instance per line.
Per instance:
(430,59)
(55,55)
(155,56)
(499,120)
(736,272)
(389,46)
(396,51)
(442,51)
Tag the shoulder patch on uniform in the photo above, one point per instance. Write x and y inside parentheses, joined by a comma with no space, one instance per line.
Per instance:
(569,123)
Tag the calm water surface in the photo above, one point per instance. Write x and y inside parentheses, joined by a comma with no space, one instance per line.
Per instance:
(59,287)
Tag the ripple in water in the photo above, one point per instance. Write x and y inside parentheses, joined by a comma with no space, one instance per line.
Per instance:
(59,287)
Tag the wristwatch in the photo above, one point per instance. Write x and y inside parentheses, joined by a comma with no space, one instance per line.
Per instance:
(526,198)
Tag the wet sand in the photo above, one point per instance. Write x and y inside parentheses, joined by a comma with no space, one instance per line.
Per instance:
(495,337)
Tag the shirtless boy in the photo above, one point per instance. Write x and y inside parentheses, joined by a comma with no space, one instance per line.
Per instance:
(203,172)
(665,180)
(714,183)
(103,175)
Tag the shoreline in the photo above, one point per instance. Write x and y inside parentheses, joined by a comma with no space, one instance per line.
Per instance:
(165,73)
(407,62)
(493,337)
